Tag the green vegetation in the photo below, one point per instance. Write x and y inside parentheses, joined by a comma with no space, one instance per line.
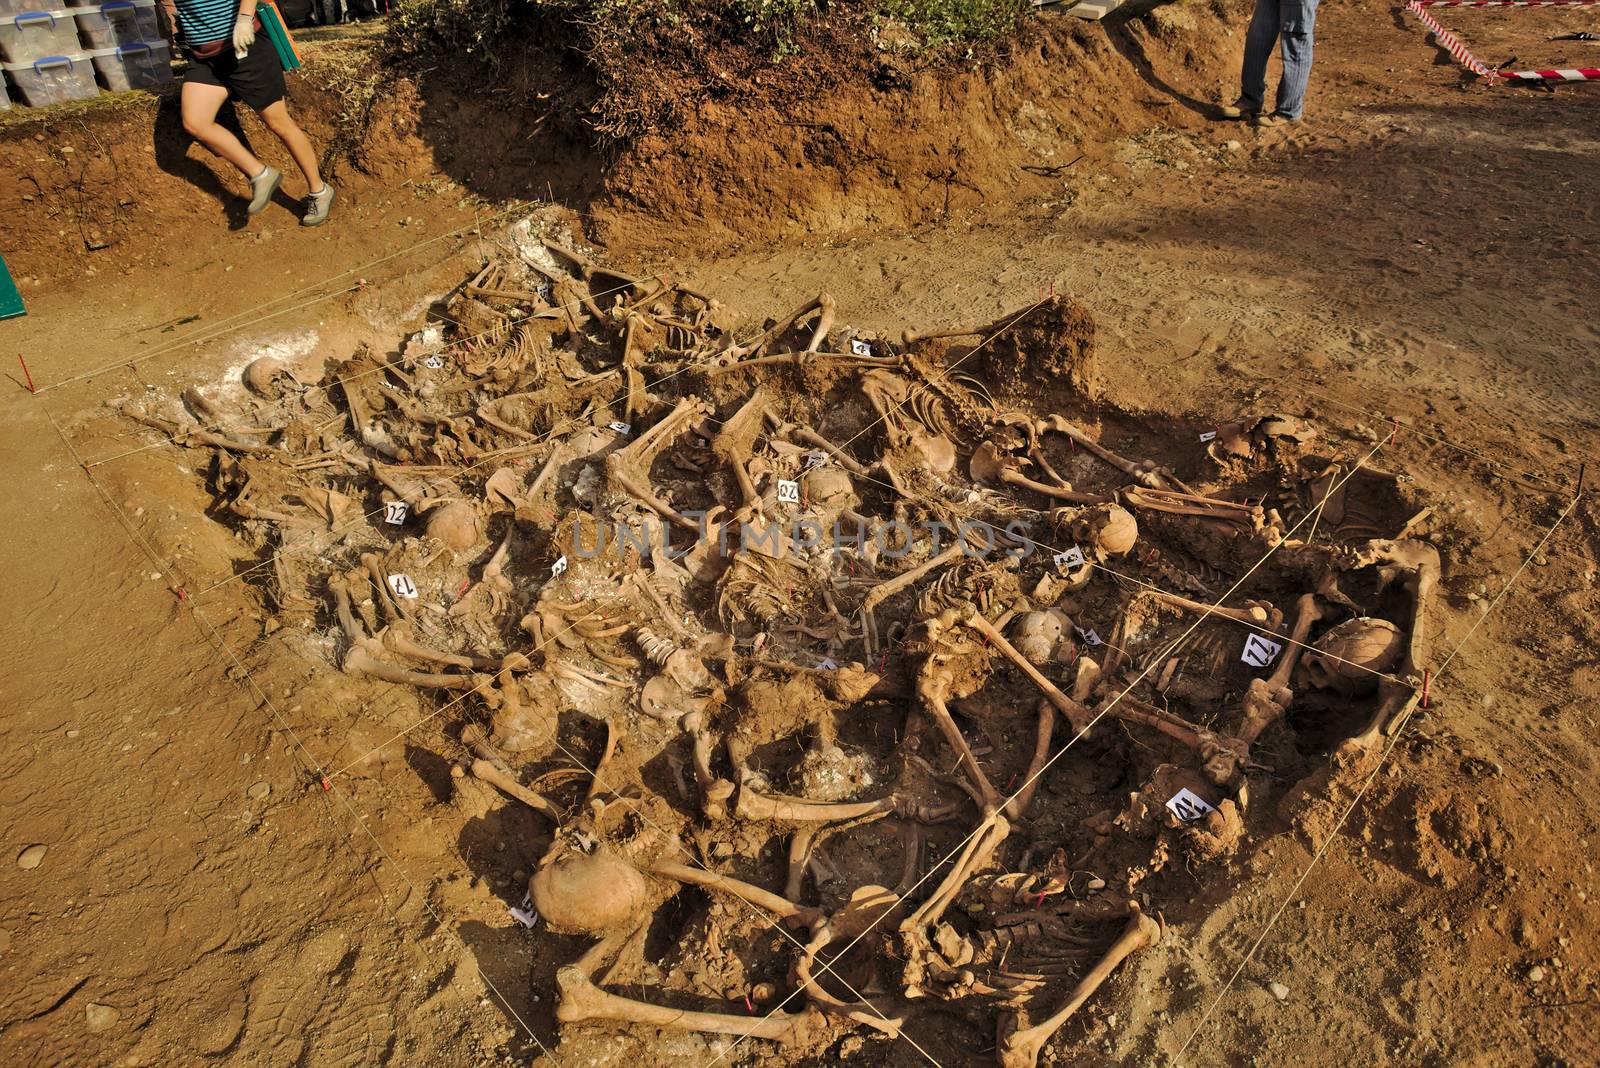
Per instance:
(686,44)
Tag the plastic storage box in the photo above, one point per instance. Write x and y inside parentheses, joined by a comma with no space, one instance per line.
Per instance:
(118,22)
(54,79)
(143,65)
(27,35)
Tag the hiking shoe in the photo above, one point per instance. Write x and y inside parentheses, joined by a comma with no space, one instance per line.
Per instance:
(317,206)
(1235,111)
(1275,120)
(262,186)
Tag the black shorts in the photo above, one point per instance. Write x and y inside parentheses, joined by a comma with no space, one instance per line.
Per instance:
(257,79)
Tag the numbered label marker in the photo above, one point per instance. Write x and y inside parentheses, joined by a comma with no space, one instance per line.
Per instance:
(1259,651)
(827,665)
(816,459)
(558,567)
(524,913)
(1188,806)
(859,347)
(545,292)
(434,362)
(403,586)
(1089,636)
(1069,559)
(1208,435)
(788,492)
(620,427)
(394,512)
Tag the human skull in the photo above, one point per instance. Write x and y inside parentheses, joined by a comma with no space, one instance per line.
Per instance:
(1346,657)
(1109,528)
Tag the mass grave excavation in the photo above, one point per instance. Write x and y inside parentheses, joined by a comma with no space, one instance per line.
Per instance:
(924,623)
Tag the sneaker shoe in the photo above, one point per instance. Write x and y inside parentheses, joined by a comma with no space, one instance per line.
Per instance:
(317,206)
(262,186)
(1275,120)
(1235,111)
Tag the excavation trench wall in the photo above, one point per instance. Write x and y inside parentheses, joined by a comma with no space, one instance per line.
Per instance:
(825,146)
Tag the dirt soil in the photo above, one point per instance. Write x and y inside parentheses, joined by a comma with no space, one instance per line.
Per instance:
(1412,262)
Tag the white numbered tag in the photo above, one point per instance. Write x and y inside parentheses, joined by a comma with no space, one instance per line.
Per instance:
(827,665)
(1089,636)
(394,512)
(816,459)
(558,567)
(524,913)
(1069,559)
(788,492)
(545,292)
(403,586)
(859,347)
(1208,435)
(1188,806)
(1259,651)
(434,362)
(619,427)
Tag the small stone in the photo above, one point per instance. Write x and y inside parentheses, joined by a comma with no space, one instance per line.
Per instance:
(1278,990)
(1097,883)
(73,733)
(1444,923)
(259,790)
(1535,974)
(100,1016)
(32,857)
(1232,146)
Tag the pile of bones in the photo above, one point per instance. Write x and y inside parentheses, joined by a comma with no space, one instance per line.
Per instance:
(840,610)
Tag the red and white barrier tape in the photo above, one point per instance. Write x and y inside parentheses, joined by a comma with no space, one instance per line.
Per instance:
(1508,3)
(1569,74)
(1448,42)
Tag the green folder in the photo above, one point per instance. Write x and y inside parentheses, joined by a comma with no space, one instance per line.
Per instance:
(272,26)
(10,299)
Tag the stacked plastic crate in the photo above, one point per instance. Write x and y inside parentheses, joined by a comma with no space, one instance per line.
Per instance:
(52,54)
(126,44)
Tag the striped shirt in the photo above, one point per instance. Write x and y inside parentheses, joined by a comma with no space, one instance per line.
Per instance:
(203,21)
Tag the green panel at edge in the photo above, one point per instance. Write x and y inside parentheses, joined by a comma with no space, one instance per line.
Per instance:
(10,299)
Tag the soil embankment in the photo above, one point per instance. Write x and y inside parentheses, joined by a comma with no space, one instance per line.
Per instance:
(815,146)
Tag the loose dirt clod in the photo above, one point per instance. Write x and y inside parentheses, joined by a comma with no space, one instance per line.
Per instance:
(755,587)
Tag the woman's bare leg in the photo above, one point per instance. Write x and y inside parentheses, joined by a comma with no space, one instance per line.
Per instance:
(199,105)
(276,116)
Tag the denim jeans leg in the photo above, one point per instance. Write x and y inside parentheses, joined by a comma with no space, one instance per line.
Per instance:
(1299,20)
(1258,42)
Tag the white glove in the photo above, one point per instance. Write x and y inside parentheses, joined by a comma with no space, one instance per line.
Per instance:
(244,35)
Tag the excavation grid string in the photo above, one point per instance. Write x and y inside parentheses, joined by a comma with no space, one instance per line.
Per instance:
(1383,418)
(498,454)
(214,636)
(1396,731)
(1103,711)
(1285,638)
(316,768)
(240,320)
(858,435)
